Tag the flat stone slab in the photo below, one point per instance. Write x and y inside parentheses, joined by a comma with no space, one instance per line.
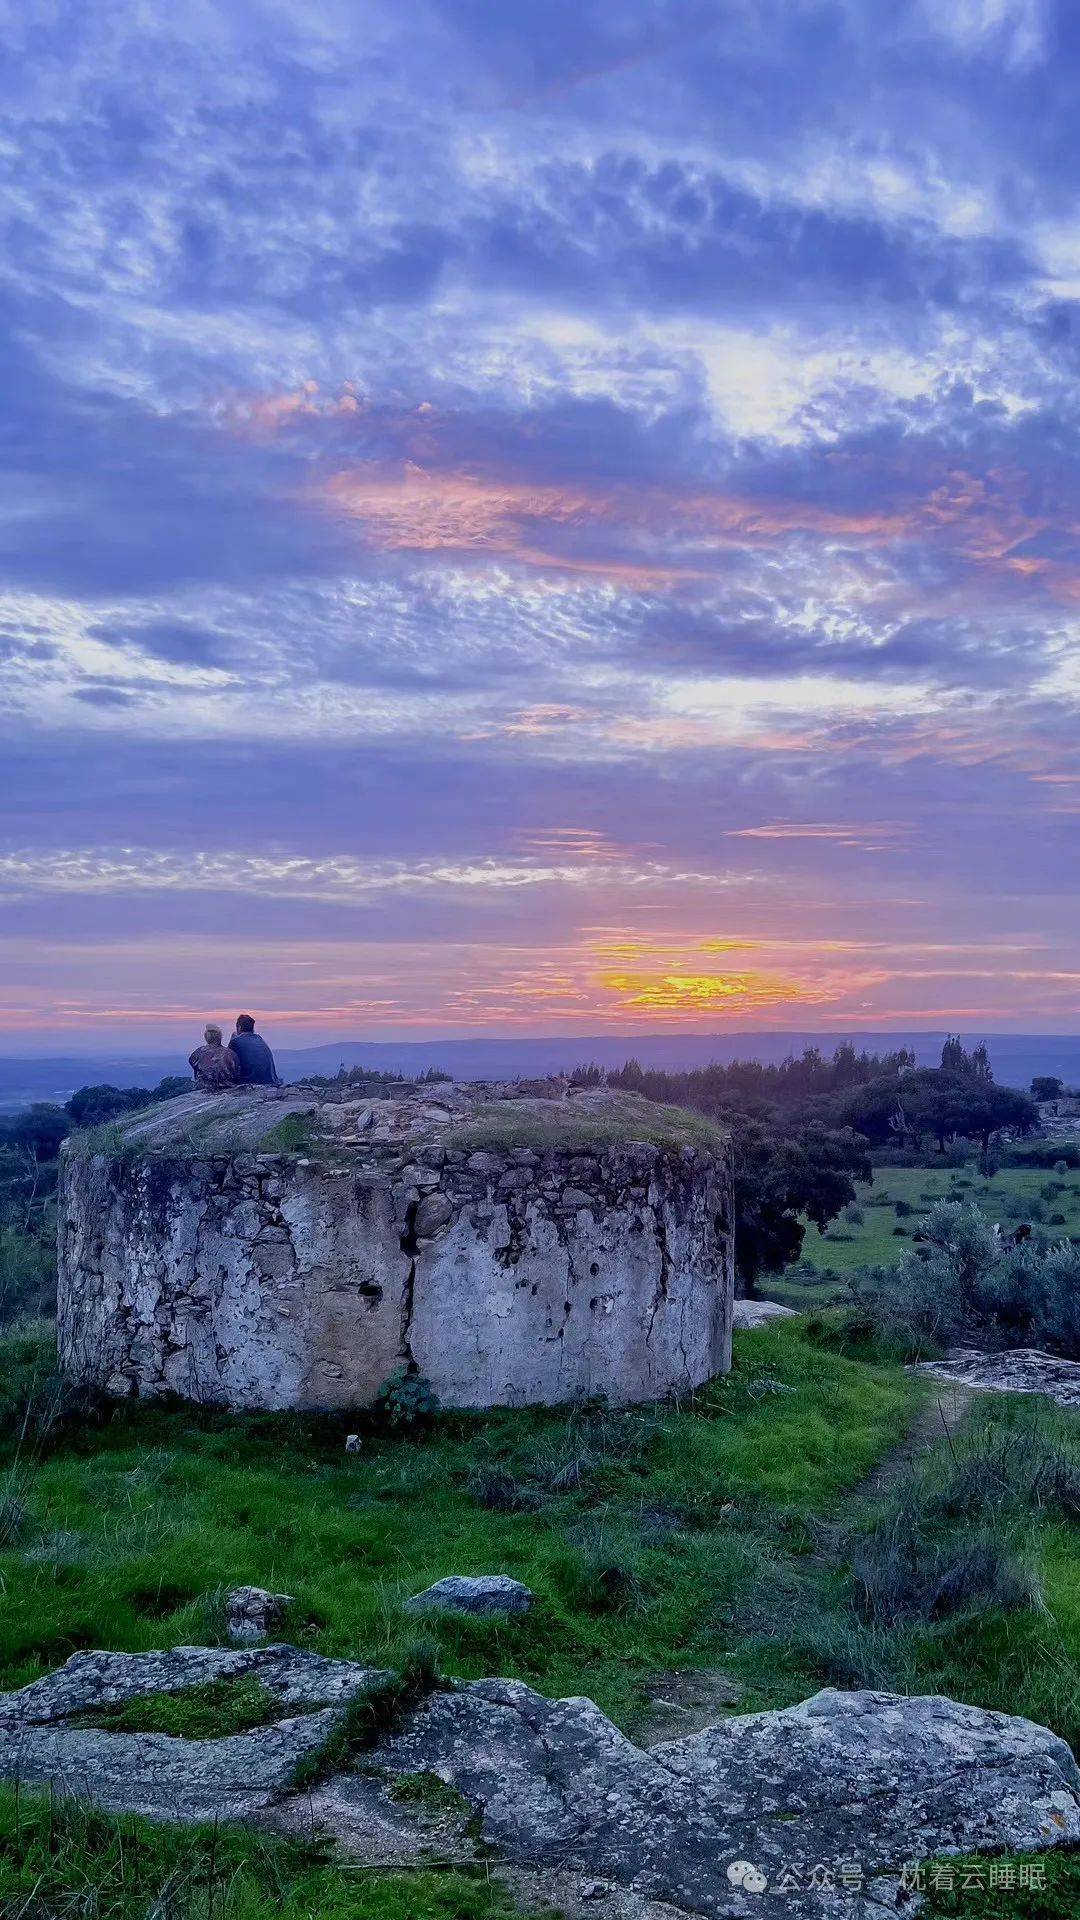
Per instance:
(102,1679)
(852,1785)
(1020,1370)
(748,1314)
(163,1777)
(157,1774)
(486,1593)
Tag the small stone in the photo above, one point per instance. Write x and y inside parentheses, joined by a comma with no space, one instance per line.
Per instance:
(487,1593)
(352,1443)
(433,1212)
(577,1197)
(251,1614)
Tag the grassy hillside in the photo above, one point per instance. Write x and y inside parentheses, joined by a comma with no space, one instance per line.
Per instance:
(738,1534)
(647,1535)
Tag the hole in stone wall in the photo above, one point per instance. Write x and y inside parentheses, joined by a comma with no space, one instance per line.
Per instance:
(408,1231)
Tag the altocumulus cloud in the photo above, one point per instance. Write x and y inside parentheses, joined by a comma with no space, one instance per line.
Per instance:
(650,430)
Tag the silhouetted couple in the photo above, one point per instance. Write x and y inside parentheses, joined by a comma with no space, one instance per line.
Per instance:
(246,1062)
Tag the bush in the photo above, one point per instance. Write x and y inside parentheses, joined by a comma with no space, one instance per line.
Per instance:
(497,1490)
(902,1209)
(406,1399)
(966,1280)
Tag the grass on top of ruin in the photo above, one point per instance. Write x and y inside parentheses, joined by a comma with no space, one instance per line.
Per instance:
(627,1118)
(653,1538)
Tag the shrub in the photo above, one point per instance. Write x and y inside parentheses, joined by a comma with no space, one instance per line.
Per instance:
(406,1399)
(902,1209)
(966,1279)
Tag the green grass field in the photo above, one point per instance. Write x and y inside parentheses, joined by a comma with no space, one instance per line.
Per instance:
(849,1245)
(721,1534)
(643,1533)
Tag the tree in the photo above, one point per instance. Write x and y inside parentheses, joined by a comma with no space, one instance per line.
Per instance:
(1047,1086)
(95,1106)
(40,1130)
(811,1173)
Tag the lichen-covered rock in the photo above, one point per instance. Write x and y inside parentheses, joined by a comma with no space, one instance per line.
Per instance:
(808,1814)
(157,1774)
(252,1614)
(1017,1370)
(102,1679)
(160,1776)
(267,1248)
(826,1802)
(487,1593)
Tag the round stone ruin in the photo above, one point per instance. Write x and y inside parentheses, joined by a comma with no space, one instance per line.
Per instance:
(295,1247)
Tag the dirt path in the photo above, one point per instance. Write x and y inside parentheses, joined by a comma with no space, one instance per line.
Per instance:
(939,1417)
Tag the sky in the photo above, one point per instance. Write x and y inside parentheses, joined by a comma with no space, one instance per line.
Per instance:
(538,518)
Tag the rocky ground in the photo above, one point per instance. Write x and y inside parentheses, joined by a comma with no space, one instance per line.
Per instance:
(815,1810)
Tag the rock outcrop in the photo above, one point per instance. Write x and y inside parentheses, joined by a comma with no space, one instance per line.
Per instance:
(817,1811)
(274,1249)
(827,1802)
(157,1774)
(1016,1370)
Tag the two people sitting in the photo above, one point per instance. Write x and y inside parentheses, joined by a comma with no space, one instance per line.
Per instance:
(246,1062)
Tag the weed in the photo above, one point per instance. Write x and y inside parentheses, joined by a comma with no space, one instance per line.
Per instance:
(435,1796)
(901,1573)
(61,1860)
(406,1399)
(374,1714)
(292,1134)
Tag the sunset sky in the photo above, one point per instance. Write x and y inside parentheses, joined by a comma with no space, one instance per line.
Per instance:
(539,517)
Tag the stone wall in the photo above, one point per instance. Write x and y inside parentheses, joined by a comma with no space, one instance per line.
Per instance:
(198,1257)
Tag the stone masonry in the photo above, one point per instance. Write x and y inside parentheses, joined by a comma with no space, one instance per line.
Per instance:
(292,1248)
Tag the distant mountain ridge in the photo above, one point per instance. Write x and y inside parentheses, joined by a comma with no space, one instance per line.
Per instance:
(1016,1058)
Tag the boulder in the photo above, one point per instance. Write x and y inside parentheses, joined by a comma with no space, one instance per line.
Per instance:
(487,1593)
(818,1808)
(748,1314)
(252,1614)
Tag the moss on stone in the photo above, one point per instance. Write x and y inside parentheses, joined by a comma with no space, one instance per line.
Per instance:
(296,1133)
(505,1125)
(207,1712)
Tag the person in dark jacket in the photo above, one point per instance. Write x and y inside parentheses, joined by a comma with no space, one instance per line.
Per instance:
(253,1056)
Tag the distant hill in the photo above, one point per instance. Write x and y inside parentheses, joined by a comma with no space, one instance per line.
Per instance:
(1016,1057)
